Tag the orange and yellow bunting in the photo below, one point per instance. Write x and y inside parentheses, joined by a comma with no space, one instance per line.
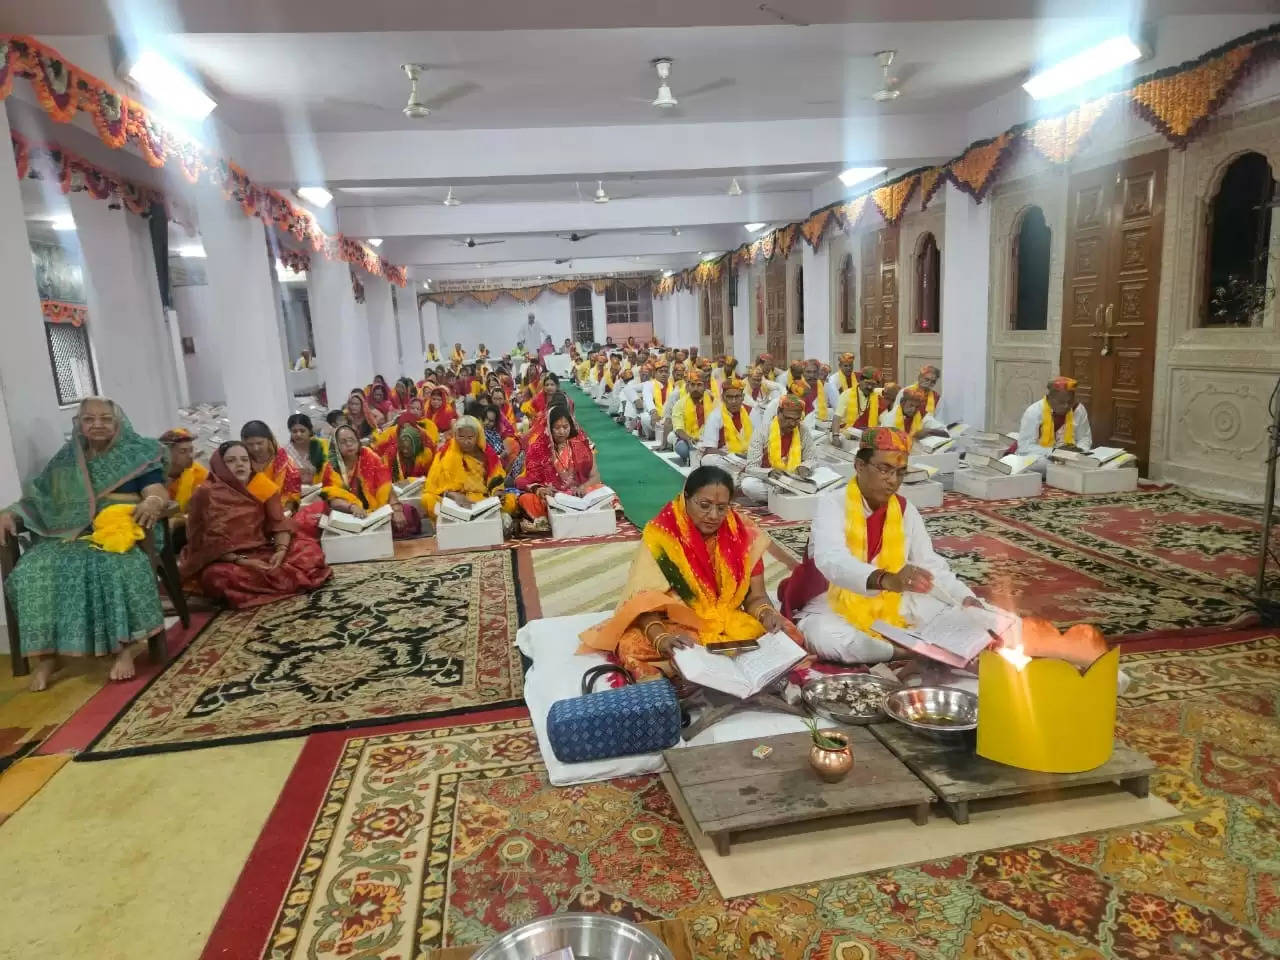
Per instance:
(891,199)
(1058,139)
(974,171)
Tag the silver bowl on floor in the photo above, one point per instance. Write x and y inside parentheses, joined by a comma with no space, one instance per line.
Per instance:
(946,714)
(853,698)
(590,936)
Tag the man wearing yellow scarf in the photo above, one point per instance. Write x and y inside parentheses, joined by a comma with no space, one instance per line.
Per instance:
(657,399)
(843,380)
(854,401)
(786,443)
(760,395)
(869,558)
(689,417)
(728,430)
(808,386)
(1055,420)
(910,416)
(926,381)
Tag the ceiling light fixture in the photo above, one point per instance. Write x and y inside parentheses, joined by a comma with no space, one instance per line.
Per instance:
(316,196)
(754,227)
(734,189)
(374,241)
(169,87)
(1111,54)
(63,223)
(601,196)
(664,100)
(858,174)
(194,251)
(450,200)
(710,256)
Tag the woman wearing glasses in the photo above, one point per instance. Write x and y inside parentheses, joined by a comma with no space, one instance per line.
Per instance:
(869,558)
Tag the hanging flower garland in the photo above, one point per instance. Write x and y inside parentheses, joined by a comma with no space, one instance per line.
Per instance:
(487,294)
(299,261)
(63,90)
(60,311)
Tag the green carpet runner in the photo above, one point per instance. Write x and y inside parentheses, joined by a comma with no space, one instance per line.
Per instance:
(644,483)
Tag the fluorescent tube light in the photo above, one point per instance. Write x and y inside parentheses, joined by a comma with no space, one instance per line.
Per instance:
(316,196)
(858,174)
(754,227)
(1087,65)
(169,87)
(711,256)
(63,223)
(191,250)
(374,241)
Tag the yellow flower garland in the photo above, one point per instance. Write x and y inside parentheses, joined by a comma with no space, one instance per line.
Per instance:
(775,449)
(735,440)
(859,610)
(1046,426)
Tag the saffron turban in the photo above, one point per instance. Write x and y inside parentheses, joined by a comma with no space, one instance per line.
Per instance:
(916,394)
(176,435)
(885,438)
(1064,384)
(870,373)
(791,402)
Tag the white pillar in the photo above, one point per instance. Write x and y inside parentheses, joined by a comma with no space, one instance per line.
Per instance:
(742,320)
(817,301)
(245,330)
(688,330)
(382,328)
(965,296)
(338,322)
(35,423)
(126,323)
(430,312)
(599,317)
(409,323)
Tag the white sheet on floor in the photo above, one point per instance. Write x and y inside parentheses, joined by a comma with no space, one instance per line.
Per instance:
(556,674)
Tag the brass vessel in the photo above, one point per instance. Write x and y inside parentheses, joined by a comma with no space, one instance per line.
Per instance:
(832,765)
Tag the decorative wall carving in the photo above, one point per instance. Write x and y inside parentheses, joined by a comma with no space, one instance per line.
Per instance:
(1017,384)
(1220,421)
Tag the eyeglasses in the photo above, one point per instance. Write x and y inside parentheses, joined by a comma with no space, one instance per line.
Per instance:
(888,471)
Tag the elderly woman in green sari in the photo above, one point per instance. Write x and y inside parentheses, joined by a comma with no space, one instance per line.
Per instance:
(84,588)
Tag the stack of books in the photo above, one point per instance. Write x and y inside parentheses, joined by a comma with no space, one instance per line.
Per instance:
(1007,465)
(935,444)
(410,489)
(1099,458)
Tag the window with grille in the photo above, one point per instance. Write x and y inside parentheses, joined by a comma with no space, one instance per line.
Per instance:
(928,280)
(799,299)
(584,329)
(622,304)
(72,362)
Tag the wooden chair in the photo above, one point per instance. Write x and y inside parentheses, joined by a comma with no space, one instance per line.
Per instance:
(163,562)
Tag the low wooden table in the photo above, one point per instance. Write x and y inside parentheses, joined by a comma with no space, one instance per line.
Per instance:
(670,932)
(728,791)
(958,775)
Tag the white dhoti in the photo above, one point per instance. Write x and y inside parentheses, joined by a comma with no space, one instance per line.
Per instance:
(754,489)
(832,637)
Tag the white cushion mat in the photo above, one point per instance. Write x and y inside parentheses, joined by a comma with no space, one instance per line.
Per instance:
(556,674)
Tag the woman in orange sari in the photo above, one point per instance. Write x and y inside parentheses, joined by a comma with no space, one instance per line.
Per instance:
(440,409)
(240,545)
(356,481)
(359,415)
(698,578)
(560,460)
(273,462)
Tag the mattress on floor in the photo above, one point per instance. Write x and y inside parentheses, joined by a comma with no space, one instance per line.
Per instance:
(556,674)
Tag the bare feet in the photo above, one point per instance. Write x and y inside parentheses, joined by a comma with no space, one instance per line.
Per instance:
(122,669)
(41,671)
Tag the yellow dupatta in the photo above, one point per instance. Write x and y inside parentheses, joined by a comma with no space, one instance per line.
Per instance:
(1046,426)
(916,422)
(852,411)
(843,381)
(862,611)
(452,470)
(736,440)
(775,449)
(660,396)
(931,403)
(180,490)
(801,387)
(690,421)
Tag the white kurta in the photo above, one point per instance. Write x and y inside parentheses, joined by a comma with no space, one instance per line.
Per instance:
(752,482)
(830,635)
(1029,432)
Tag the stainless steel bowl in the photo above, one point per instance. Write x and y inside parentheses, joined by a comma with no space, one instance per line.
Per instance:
(948,714)
(591,937)
(822,695)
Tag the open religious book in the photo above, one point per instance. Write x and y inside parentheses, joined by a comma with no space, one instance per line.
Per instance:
(454,511)
(935,444)
(340,522)
(1007,465)
(819,480)
(744,674)
(955,635)
(588,501)
(1105,458)
(410,489)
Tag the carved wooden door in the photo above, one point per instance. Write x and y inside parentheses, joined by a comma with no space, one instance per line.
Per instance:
(715,308)
(1115,232)
(775,292)
(879,338)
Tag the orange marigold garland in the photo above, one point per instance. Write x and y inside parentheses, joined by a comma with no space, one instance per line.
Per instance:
(1058,139)
(891,199)
(814,228)
(974,171)
(60,311)
(931,182)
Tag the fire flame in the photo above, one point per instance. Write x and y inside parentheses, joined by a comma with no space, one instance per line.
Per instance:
(1015,655)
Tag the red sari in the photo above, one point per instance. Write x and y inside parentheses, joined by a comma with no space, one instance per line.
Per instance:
(444,417)
(224,517)
(284,473)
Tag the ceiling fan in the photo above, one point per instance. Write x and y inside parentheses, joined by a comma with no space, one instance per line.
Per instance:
(574,237)
(889,90)
(673,232)
(416,108)
(665,100)
(472,242)
(563,260)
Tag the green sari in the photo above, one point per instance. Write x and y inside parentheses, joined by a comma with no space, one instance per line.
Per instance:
(71,597)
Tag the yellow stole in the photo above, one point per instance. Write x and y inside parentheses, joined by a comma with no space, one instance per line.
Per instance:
(735,440)
(1046,426)
(862,611)
(801,387)
(843,381)
(691,426)
(915,422)
(775,449)
(853,410)
(190,478)
(931,402)
(660,395)
(873,418)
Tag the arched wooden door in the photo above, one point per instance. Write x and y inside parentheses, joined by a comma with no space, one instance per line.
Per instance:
(880,301)
(715,309)
(775,292)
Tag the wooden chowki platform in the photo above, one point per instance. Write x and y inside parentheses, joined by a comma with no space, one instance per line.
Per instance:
(958,775)
(729,791)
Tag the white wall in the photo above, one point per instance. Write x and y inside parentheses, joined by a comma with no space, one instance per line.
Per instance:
(501,324)
(194,306)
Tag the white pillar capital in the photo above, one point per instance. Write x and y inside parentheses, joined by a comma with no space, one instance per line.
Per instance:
(341,329)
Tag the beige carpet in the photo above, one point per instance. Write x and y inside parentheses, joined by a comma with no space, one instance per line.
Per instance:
(585,579)
(134,858)
(841,846)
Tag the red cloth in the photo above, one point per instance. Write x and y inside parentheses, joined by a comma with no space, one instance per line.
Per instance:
(1058,420)
(444,417)
(546,349)
(303,570)
(806,581)
(540,464)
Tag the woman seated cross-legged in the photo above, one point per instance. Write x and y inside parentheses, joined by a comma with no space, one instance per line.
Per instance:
(355,480)
(85,588)
(465,470)
(697,578)
(560,460)
(240,545)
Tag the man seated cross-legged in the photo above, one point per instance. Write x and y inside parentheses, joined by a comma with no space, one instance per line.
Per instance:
(1055,420)
(785,444)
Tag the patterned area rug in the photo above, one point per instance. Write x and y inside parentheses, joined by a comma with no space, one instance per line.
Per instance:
(451,835)
(379,642)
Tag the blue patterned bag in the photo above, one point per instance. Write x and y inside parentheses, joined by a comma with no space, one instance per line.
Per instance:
(638,718)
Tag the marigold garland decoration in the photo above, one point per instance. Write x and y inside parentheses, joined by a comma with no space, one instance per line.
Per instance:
(816,226)
(487,293)
(1058,139)
(850,213)
(931,182)
(63,90)
(975,170)
(1179,104)
(891,199)
(299,261)
(60,311)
